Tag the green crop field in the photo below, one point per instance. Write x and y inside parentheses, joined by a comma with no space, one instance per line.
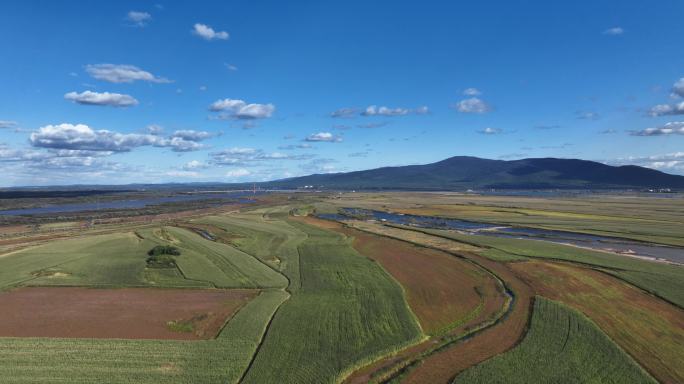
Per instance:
(347,312)
(561,346)
(272,241)
(223,360)
(119,260)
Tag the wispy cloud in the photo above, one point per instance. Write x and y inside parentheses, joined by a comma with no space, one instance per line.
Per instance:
(244,156)
(373,110)
(491,131)
(511,156)
(102,99)
(192,135)
(345,112)
(472,92)
(290,147)
(236,173)
(547,126)
(137,18)
(206,32)
(614,31)
(194,165)
(154,129)
(5,124)
(373,125)
(472,105)
(587,115)
(320,166)
(359,154)
(324,137)
(122,73)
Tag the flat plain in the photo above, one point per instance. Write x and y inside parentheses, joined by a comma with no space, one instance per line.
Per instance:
(270,293)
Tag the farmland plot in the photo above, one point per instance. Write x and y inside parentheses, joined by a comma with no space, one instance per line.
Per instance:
(272,241)
(444,291)
(664,280)
(119,260)
(561,346)
(75,361)
(649,329)
(347,312)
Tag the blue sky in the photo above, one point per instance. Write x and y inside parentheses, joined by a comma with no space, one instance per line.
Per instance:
(121,92)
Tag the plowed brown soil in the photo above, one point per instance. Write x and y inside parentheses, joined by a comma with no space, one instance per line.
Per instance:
(128,313)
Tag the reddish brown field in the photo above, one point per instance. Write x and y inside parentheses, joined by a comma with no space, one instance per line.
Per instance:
(128,313)
(649,329)
(442,367)
(441,289)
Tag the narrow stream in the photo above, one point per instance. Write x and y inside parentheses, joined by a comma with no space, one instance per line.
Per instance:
(601,243)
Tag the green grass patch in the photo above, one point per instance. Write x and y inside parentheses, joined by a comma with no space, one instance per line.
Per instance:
(180,326)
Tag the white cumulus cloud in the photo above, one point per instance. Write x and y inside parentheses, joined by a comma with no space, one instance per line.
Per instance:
(192,135)
(667,109)
(239,109)
(678,87)
(101,98)
(206,32)
(81,137)
(672,128)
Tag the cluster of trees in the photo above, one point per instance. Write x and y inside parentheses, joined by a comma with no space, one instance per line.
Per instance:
(162,256)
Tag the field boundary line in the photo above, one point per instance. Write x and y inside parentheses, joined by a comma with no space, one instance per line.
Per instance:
(263,337)
(501,315)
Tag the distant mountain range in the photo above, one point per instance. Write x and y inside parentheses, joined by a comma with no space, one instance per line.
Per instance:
(463,172)
(455,173)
